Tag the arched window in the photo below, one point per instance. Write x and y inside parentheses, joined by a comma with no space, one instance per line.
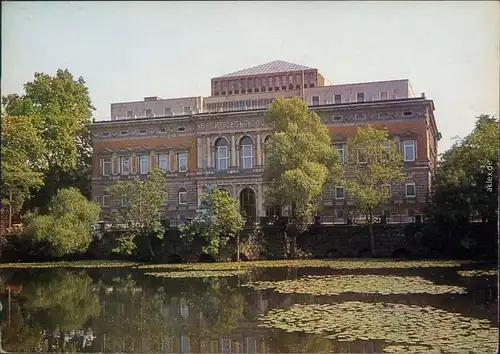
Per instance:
(248,205)
(246,152)
(221,154)
(182,196)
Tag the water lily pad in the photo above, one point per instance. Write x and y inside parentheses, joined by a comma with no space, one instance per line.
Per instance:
(197,274)
(406,329)
(478,273)
(368,284)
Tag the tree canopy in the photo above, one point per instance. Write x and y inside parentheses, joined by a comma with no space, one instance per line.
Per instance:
(66,228)
(301,159)
(374,164)
(139,205)
(466,184)
(217,220)
(59,110)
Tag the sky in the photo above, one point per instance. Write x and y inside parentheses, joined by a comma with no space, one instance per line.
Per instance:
(126,51)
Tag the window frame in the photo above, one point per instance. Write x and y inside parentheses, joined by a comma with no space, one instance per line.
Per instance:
(104,161)
(150,115)
(105,201)
(414,150)
(342,148)
(141,163)
(122,159)
(182,192)
(414,190)
(357,97)
(219,159)
(179,154)
(357,156)
(343,193)
(335,98)
(159,157)
(312,101)
(386,95)
(244,157)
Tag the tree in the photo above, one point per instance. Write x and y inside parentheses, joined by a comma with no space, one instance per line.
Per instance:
(301,161)
(139,206)
(217,220)
(466,183)
(61,110)
(374,163)
(21,149)
(67,228)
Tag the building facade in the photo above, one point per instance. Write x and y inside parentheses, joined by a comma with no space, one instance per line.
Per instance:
(221,139)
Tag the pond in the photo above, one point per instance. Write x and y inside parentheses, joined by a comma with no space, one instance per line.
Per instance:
(314,306)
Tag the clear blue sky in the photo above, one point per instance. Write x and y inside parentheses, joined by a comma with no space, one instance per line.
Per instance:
(129,50)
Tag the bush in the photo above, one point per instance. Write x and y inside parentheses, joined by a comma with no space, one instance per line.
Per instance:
(66,229)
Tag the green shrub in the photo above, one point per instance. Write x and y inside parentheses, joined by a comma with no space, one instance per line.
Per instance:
(66,229)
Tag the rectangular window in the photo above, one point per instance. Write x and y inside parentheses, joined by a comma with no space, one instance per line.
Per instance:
(360,97)
(339,192)
(383,95)
(246,156)
(185,344)
(315,100)
(183,196)
(125,165)
(339,213)
(410,190)
(106,166)
(337,98)
(149,113)
(144,164)
(187,110)
(168,112)
(105,200)
(340,150)
(361,156)
(182,161)
(163,162)
(222,161)
(409,150)
(130,114)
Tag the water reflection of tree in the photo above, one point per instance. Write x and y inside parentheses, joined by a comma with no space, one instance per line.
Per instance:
(284,342)
(51,304)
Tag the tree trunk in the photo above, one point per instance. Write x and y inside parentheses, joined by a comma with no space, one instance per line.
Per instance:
(151,252)
(370,229)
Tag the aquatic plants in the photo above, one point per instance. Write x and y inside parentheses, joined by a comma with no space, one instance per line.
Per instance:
(369,284)
(478,272)
(396,324)
(198,274)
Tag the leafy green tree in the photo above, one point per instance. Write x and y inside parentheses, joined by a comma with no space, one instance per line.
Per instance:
(374,162)
(217,220)
(139,206)
(61,111)
(66,229)
(301,161)
(22,148)
(466,184)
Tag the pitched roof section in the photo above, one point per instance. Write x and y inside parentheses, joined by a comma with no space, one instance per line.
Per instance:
(277,66)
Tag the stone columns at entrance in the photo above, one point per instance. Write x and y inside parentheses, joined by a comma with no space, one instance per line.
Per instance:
(199,153)
(209,153)
(258,161)
(233,151)
(260,199)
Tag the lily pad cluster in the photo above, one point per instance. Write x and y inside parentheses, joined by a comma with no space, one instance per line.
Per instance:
(368,284)
(402,327)
(198,274)
(76,264)
(335,264)
(478,273)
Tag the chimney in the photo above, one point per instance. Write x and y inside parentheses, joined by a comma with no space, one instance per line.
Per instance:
(422,95)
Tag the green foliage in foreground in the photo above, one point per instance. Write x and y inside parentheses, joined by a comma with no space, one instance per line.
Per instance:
(66,229)
(216,222)
(139,205)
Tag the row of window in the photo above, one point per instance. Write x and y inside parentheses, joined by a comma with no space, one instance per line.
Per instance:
(239,105)
(409,151)
(360,97)
(125,164)
(222,153)
(148,113)
(410,191)
(181,197)
(263,83)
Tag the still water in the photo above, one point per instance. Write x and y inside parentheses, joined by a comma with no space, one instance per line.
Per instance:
(132,310)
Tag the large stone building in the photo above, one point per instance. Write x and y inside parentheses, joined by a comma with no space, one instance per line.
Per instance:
(220,139)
